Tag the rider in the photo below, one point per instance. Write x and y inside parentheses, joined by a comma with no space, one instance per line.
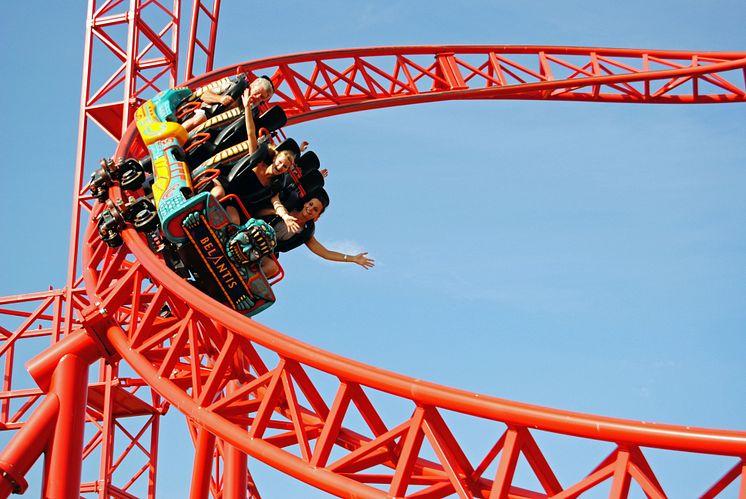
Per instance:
(261,89)
(306,215)
(257,188)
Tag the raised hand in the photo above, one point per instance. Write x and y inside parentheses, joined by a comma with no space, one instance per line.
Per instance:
(362,260)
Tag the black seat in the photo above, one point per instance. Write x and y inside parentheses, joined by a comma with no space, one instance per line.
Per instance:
(230,135)
(245,164)
(293,193)
(289,145)
(308,162)
(234,92)
(311,181)
(273,119)
(201,153)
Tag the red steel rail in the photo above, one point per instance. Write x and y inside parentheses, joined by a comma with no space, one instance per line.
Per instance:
(202,45)
(196,360)
(39,323)
(257,389)
(318,84)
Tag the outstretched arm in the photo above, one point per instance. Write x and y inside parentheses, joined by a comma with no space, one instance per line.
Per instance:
(249,118)
(361,259)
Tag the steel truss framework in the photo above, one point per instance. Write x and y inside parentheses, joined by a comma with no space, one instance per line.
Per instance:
(248,390)
(277,413)
(119,448)
(192,357)
(115,409)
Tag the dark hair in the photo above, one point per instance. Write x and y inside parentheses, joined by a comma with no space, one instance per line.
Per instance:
(320,194)
(317,193)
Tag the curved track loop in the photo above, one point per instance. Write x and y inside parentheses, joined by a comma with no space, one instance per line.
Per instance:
(327,83)
(338,440)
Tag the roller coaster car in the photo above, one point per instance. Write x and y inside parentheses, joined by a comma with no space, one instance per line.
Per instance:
(306,175)
(232,86)
(229,129)
(223,257)
(237,158)
(234,164)
(302,178)
(206,140)
(294,190)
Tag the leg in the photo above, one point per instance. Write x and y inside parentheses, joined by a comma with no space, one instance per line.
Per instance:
(197,119)
(233,215)
(269,267)
(218,192)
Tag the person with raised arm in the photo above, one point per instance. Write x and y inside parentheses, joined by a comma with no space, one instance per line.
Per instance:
(306,215)
(260,90)
(258,186)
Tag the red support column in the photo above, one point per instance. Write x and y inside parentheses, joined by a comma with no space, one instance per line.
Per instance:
(154,436)
(234,476)
(202,470)
(26,446)
(80,344)
(63,463)
(196,42)
(107,434)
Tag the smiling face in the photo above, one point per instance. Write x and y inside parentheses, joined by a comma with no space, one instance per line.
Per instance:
(260,90)
(312,209)
(281,164)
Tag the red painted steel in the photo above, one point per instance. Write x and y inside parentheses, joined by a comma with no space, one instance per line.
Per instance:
(425,396)
(271,389)
(202,468)
(196,43)
(42,317)
(62,464)
(192,357)
(171,359)
(327,83)
(79,343)
(235,482)
(133,33)
(207,475)
(148,54)
(23,450)
(148,63)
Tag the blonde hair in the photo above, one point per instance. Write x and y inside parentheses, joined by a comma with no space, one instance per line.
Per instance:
(289,154)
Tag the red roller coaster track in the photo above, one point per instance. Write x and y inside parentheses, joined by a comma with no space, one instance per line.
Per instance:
(248,390)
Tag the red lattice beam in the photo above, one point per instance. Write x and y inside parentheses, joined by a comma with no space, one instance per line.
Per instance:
(193,356)
(200,44)
(318,84)
(218,371)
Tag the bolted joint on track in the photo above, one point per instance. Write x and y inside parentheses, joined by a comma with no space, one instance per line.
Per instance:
(88,343)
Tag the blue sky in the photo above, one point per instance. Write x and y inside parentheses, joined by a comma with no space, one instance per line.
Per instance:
(582,256)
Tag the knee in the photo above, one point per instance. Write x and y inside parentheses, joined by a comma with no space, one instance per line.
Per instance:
(218,190)
(269,267)
(233,215)
(194,121)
